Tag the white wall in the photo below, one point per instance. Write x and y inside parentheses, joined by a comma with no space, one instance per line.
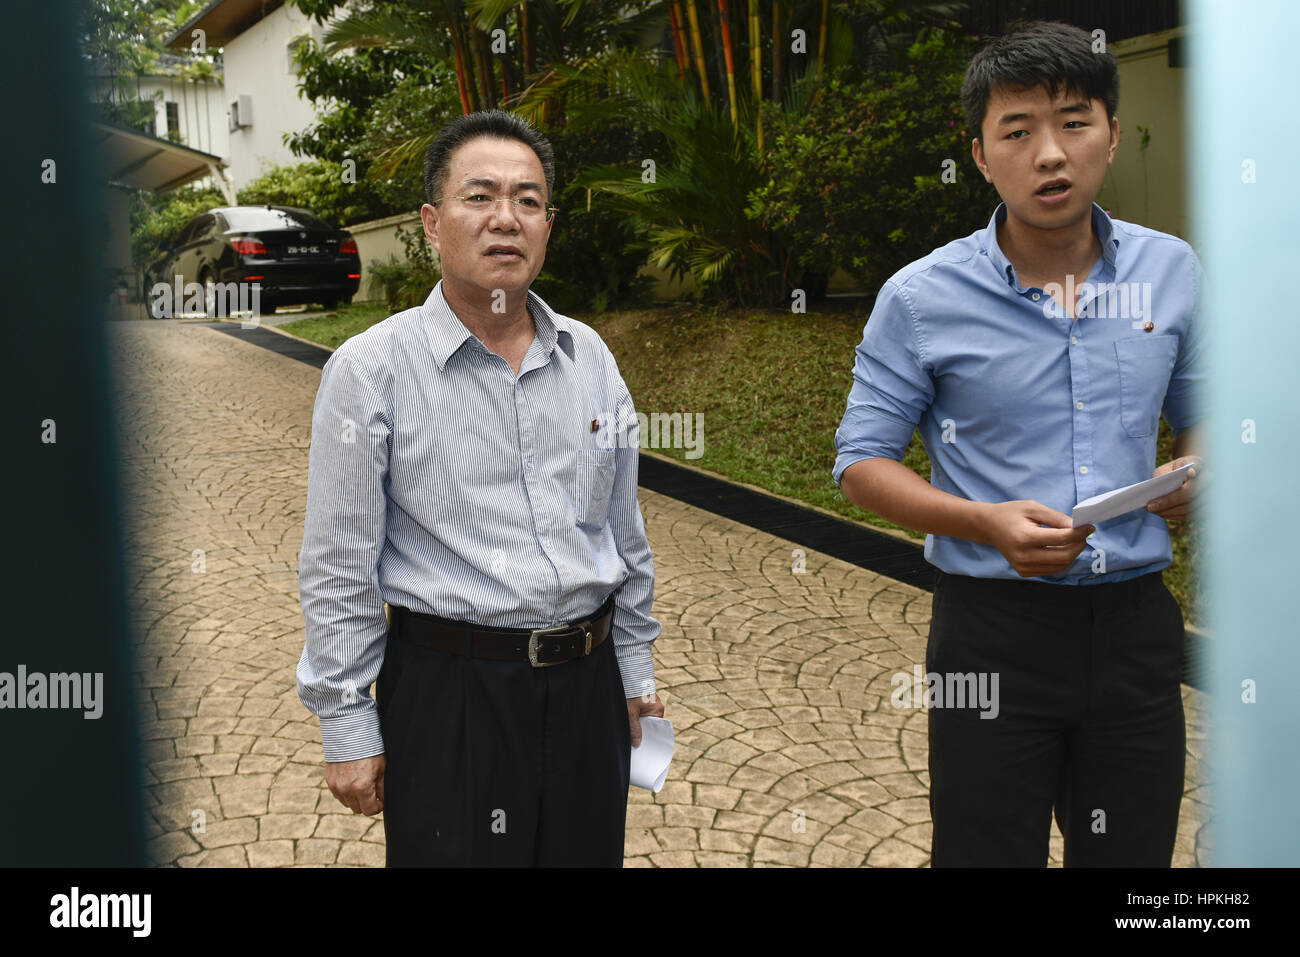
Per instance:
(257,64)
(201,109)
(1149,189)
(377,239)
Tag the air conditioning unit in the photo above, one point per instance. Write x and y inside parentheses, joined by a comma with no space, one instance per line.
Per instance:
(241,112)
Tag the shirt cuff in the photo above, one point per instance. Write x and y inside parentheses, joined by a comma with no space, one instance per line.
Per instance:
(636,665)
(350,737)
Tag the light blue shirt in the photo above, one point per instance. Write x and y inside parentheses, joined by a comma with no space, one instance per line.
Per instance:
(440,482)
(1015,401)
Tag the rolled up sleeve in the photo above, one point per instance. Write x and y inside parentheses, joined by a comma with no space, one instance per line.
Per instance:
(892,387)
(338,568)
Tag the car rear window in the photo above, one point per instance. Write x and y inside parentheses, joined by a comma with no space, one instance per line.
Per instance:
(260,217)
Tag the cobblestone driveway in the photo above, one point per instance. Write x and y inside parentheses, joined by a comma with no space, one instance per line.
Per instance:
(788,751)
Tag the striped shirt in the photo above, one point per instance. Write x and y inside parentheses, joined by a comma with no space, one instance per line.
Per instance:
(441,482)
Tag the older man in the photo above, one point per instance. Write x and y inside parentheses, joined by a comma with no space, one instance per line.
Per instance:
(474,466)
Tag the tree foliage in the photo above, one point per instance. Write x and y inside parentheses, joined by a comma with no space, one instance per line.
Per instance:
(862,182)
(735,104)
(315,186)
(158,218)
(122,40)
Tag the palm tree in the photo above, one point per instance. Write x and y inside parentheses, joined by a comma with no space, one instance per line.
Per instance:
(432,28)
(693,206)
(584,61)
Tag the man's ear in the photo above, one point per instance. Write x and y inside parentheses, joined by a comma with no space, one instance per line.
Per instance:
(1114,139)
(429,217)
(977,154)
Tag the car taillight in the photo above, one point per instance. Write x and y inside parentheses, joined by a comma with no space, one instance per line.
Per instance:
(247,247)
(348,246)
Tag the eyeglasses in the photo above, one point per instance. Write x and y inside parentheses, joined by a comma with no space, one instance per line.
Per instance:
(529,207)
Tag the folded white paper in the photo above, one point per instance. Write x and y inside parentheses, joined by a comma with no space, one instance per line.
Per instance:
(651,758)
(1123,500)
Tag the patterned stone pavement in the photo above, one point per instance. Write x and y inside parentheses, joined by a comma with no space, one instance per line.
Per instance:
(789,752)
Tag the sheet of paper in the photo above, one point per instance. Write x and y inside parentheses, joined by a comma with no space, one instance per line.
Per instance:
(651,758)
(1123,500)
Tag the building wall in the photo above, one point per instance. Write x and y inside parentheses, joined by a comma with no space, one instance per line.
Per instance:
(258,64)
(1149,187)
(377,239)
(201,108)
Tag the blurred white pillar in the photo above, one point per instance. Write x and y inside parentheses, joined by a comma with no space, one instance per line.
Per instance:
(1245,153)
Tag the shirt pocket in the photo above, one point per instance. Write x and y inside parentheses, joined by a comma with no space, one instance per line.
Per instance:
(595,473)
(1145,365)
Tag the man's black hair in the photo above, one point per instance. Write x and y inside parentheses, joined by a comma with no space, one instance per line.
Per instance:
(1039,53)
(494,123)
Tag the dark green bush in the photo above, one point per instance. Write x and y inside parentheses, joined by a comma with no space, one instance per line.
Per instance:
(593,257)
(158,218)
(316,186)
(858,178)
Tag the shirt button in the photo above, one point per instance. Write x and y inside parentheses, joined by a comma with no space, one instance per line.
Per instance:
(1083,469)
(1078,405)
(1074,340)
(1036,297)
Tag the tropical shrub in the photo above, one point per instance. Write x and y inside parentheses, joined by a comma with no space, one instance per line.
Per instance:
(595,252)
(877,173)
(158,218)
(326,189)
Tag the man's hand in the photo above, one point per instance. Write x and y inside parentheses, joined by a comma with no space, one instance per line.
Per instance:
(1177,505)
(359,784)
(646,704)
(1014,529)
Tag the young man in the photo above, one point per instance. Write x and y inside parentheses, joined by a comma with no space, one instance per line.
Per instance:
(465,472)
(1035,357)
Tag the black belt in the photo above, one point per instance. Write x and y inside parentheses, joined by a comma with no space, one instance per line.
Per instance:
(540,647)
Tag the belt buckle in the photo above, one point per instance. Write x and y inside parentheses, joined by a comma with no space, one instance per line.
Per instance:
(532,645)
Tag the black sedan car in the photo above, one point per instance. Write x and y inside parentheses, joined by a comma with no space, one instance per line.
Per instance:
(292,256)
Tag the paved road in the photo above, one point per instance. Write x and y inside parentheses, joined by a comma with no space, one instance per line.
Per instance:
(788,750)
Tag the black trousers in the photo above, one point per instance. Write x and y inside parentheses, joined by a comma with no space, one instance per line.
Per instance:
(1089,722)
(497,763)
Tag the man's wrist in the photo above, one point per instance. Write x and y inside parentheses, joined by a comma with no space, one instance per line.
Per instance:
(351,737)
(975,519)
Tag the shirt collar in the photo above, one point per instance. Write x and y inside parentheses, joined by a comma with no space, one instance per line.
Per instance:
(1101,225)
(447,334)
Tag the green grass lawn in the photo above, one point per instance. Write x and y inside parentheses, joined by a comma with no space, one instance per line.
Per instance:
(772,387)
(333,328)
